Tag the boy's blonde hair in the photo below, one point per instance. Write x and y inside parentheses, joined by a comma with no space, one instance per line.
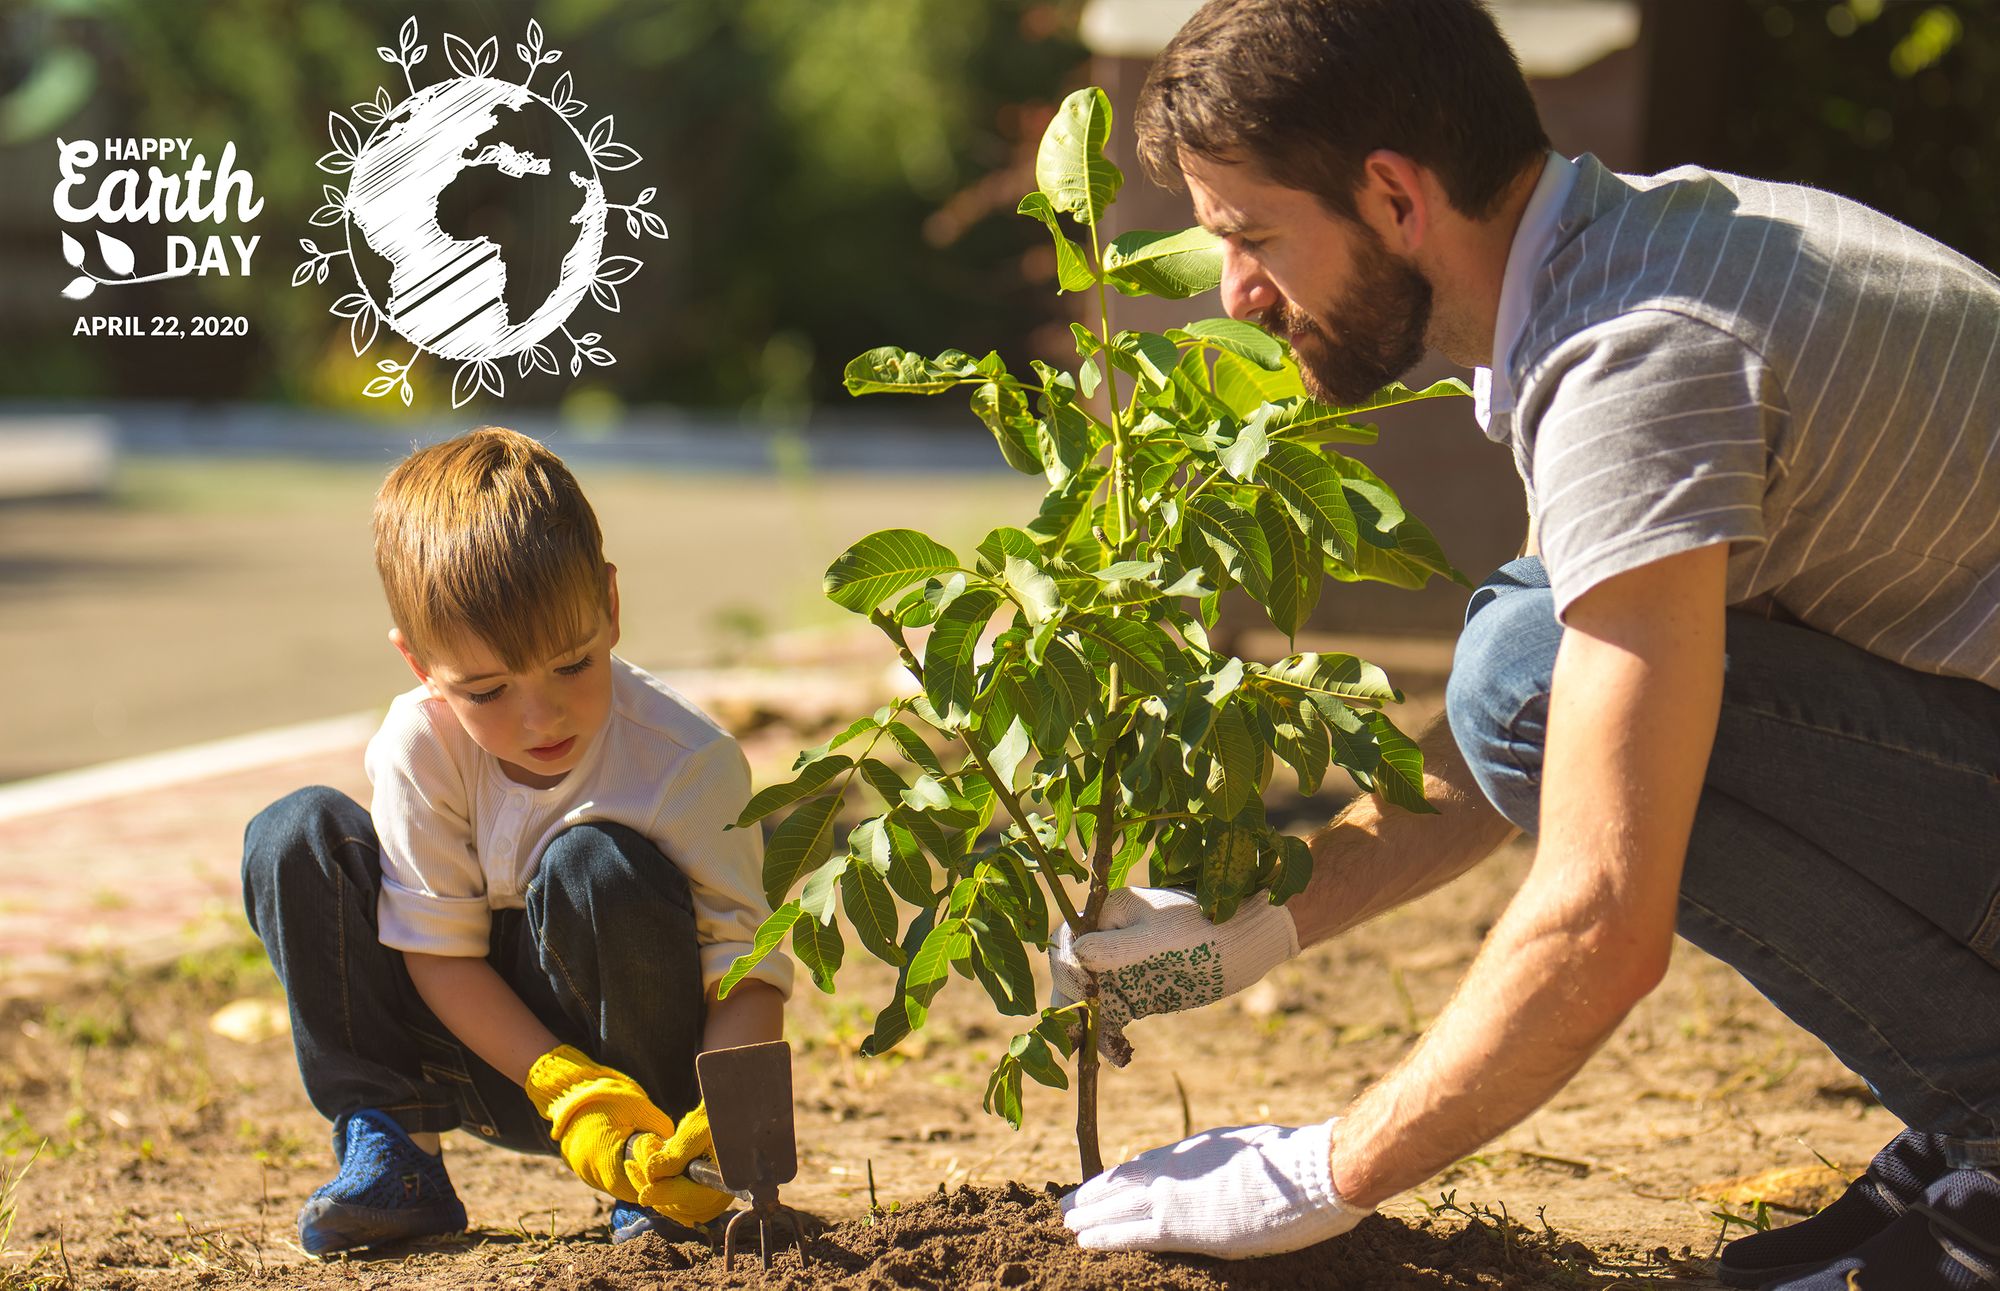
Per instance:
(489,535)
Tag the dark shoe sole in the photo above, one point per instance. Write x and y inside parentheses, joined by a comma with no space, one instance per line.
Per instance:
(328,1227)
(1753,1280)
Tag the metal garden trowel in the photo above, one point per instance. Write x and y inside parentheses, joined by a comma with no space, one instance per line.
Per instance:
(748,1090)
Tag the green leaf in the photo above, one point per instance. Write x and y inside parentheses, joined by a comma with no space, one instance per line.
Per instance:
(1087,378)
(1225,540)
(1147,355)
(949,682)
(1001,964)
(1308,481)
(821,895)
(1397,393)
(909,872)
(1032,587)
(1295,867)
(1235,748)
(1170,265)
(802,843)
(1401,777)
(769,934)
(914,748)
(814,778)
(1340,675)
(1249,448)
(893,1022)
(1066,511)
(1131,846)
(1070,166)
(882,564)
(1244,386)
(889,369)
(1245,340)
(1010,752)
(1032,1052)
(1073,272)
(1003,1091)
(1015,893)
(931,966)
(872,911)
(1295,566)
(1230,873)
(1377,509)
(1138,649)
(1309,422)
(1004,409)
(819,948)
(1064,440)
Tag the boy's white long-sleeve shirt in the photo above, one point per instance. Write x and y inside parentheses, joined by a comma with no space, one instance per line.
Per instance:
(460,840)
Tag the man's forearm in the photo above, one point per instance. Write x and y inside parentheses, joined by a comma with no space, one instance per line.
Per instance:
(1374,857)
(1544,993)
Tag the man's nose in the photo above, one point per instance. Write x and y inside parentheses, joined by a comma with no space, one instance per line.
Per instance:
(1246,292)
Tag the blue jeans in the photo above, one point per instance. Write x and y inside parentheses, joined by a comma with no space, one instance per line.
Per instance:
(604,954)
(1846,850)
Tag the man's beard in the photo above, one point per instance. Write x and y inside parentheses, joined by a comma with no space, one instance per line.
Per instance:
(1382,324)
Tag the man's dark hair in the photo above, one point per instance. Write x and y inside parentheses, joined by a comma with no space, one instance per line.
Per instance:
(1306,89)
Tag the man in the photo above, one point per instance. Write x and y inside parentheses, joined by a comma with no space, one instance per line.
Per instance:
(1748,690)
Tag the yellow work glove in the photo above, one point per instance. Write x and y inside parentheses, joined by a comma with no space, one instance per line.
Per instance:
(592,1111)
(657,1167)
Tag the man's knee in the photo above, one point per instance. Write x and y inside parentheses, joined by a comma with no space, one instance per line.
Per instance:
(602,860)
(1496,698)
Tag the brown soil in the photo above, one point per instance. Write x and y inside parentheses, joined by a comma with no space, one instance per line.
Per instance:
(177,1157)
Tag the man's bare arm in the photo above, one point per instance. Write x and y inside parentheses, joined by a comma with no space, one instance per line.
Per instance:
(1374,857)
(1632,717)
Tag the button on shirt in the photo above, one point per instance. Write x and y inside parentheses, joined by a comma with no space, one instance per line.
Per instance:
(460,840)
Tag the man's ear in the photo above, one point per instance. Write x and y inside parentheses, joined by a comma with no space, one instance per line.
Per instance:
(1397,199)
(402,645)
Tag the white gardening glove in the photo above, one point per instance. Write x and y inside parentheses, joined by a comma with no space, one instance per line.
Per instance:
(1155,952)
(1233,1193)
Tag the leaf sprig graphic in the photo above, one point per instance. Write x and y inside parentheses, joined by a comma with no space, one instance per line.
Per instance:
(117,257)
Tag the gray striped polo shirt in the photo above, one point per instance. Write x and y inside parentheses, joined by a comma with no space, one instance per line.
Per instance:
(1708,358)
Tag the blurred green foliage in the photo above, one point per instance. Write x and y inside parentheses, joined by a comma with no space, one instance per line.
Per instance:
(1895,103)
(823,170)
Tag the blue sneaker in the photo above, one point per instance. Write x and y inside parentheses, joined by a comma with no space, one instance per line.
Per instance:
(388,1190)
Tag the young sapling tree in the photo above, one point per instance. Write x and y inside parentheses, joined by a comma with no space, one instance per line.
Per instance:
(1066,671)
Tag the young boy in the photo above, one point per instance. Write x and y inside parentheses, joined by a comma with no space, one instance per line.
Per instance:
(522,934)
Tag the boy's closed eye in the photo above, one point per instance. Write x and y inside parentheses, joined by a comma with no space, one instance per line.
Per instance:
(567,670)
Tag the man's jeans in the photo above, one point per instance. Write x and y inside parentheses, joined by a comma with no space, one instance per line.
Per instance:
(1846,851)
(604,955)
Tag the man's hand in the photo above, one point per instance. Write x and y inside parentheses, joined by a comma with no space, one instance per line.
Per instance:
(1155,952)
(656,1168)
(1232,1193)
(592,1111)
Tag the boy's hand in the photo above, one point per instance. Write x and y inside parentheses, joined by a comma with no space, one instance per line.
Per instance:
(592,1111)
(657,1170)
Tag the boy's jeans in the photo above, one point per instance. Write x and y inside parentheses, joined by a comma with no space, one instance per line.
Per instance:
(1846,851)
(605,955)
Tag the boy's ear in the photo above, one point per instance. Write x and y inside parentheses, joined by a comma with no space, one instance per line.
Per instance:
(402,645)
(611,583)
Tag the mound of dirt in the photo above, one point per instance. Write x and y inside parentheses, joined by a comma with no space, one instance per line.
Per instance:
(1013,1237)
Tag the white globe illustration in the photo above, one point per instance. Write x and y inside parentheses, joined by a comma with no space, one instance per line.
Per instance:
(446,294)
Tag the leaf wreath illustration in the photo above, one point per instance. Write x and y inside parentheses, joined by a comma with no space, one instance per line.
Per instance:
(446,295)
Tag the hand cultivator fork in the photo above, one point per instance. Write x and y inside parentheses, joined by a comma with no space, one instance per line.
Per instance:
(749,1095)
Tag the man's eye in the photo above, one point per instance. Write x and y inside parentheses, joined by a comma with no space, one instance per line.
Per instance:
(571,670)
(486,696)
(1249,244)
